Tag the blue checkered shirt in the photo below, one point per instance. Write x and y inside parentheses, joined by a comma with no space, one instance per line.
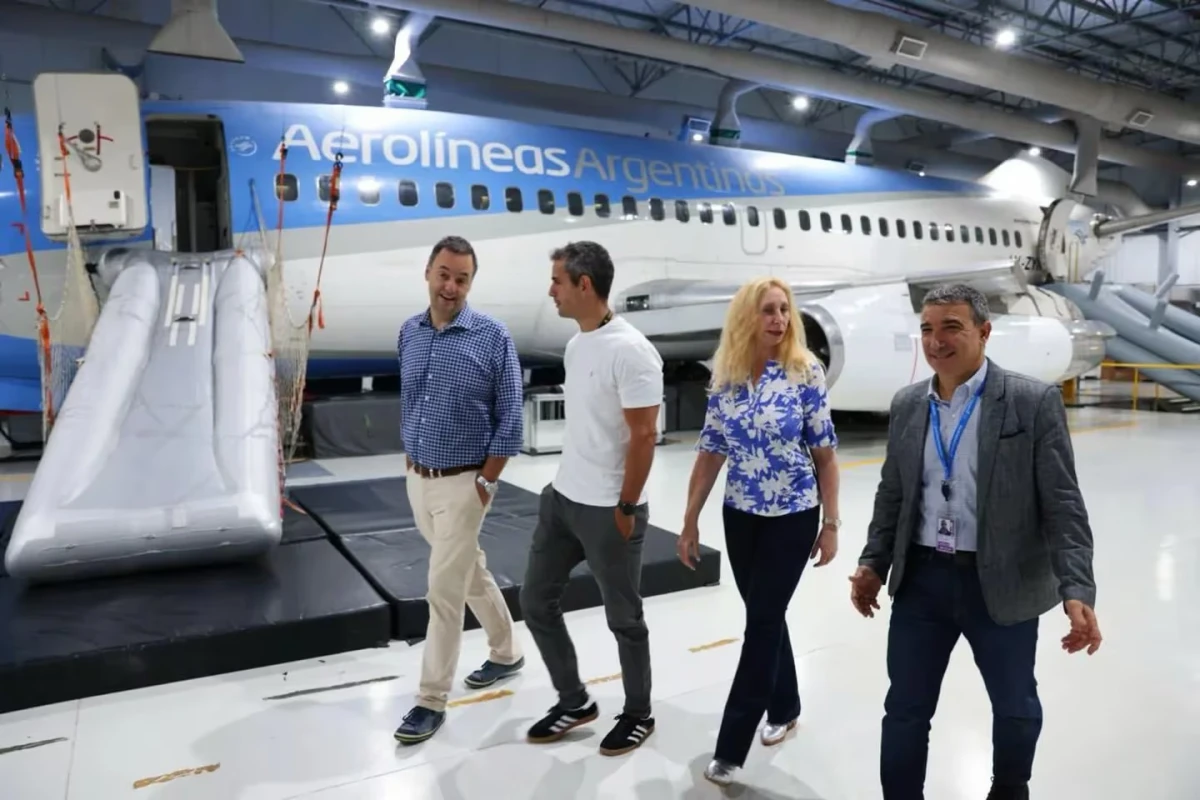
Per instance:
(460,390)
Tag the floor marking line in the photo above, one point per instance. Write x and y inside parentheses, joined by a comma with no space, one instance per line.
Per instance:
(179,773)
(18,747)
(17,476)
(711,645)
(486,697)
(604,679)
(334,687)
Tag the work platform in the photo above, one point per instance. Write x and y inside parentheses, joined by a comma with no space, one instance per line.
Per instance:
(353,575)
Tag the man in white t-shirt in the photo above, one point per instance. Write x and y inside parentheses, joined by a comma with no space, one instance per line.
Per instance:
(595,509)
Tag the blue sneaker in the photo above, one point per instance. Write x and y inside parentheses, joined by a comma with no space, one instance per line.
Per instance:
(491,672)
(419,724)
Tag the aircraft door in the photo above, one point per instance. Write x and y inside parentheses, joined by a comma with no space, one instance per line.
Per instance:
(1053,253)
(753,224)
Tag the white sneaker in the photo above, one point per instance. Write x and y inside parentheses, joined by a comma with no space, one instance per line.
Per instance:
(774,734)
(720,772)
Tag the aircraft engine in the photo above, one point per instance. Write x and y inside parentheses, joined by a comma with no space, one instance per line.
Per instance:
(869,338)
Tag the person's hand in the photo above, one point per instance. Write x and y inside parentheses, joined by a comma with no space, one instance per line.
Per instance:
(624,524)
(484,497)
(688,546)
(826,544)
(1085,631)
(864,589)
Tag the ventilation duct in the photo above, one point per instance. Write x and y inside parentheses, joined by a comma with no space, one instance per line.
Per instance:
(194,31)
(876,36)
(859,151)
(726,129)
(404,82)
(775,72)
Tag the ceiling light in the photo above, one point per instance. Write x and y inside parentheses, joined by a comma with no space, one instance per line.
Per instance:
(800,102)
(1191,182)
(1035,151)
(380,26)
(341,87)
(1006,38)
(697,137)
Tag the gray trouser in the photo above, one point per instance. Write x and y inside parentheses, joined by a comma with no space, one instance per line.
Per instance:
(566,534)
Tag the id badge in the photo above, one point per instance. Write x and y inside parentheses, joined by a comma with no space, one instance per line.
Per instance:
(945,535)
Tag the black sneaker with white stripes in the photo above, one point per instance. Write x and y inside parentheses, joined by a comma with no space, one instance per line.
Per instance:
(555,725)
(628,734)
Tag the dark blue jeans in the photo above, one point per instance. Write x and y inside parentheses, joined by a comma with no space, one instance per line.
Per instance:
(767,556)
(939,598)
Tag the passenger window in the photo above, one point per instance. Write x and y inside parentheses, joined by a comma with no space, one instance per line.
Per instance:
(752,216)
(513,200)
(444,192)
(918,230)
(657,212)
(883,226)
(805,221)
(992,236)
(865,222)
(545,201)
(978,235)
(323,188)
(706,213)
(780,218)
(847,225)
(682,211)
(901,229)
(287,188)
(481,200)
(933,232)
(369,191)
(729,213)
(575,204)
(965,234)
(1004,233)
(826,222)
(408,193)
(1017,238)
(602,207)
(629,209)
(949,232)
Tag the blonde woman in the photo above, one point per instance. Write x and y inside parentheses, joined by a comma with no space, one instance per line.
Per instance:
(768,415)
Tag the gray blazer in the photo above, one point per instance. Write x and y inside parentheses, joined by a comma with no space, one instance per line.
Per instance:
(1035,544)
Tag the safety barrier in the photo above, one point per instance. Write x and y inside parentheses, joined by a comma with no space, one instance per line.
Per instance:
(1137,368)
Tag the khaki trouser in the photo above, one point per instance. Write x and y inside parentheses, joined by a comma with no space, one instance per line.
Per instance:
(448,513)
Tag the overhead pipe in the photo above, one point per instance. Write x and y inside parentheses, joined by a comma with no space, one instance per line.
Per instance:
(859,151)
(785,75)
(885,39)
(726,129)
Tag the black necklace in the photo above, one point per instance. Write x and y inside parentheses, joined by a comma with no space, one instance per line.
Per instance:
(607,319)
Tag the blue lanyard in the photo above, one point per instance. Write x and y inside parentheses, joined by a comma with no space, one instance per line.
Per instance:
(947,459)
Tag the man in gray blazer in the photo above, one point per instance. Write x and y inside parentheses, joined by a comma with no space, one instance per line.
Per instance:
(983,529)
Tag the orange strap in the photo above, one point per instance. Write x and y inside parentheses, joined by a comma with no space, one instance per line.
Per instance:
(335,194)
(13,148)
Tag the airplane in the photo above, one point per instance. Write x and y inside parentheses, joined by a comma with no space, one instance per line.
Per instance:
(685,223)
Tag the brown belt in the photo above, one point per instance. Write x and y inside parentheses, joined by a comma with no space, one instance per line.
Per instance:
(429,472)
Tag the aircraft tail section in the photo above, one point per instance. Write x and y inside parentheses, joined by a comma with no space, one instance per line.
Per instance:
(166,449)
(1140,340)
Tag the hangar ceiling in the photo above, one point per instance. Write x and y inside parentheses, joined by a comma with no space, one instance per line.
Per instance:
(297,46)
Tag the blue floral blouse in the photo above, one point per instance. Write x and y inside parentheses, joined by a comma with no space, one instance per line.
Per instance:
(765,434)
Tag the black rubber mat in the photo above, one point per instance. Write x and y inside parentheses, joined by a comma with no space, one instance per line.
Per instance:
(373,524)
(66,641)
(8,518)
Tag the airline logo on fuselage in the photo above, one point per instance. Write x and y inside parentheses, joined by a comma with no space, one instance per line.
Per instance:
(439,150)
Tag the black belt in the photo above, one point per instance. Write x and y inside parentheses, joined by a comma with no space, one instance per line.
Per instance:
(445,472)
(961,558)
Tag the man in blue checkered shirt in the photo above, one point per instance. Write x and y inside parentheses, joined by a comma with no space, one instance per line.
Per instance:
(461,399)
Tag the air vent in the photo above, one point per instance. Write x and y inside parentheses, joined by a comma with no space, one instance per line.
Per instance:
(1139,118)
(909,47)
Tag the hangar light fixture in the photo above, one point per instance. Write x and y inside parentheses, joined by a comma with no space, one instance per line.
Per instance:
(1006,38)
(1191,182)
(800,102)
(380,26)
(1035,151)
(341,87)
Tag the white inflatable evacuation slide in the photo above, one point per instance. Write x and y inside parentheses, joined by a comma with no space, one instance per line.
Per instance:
(165,451)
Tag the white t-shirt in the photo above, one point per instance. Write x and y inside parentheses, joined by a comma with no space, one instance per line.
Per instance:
(609,369)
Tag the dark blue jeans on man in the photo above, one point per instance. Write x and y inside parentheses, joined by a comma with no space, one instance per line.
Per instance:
(940,597)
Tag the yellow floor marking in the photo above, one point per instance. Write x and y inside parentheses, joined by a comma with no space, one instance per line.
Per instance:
(181,773)
(17,476)
(605,679)
(711,645)
(486,697)
(862,462)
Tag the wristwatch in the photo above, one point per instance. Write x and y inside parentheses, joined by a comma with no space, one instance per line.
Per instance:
(488,486)
(836,523)
(628,509)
